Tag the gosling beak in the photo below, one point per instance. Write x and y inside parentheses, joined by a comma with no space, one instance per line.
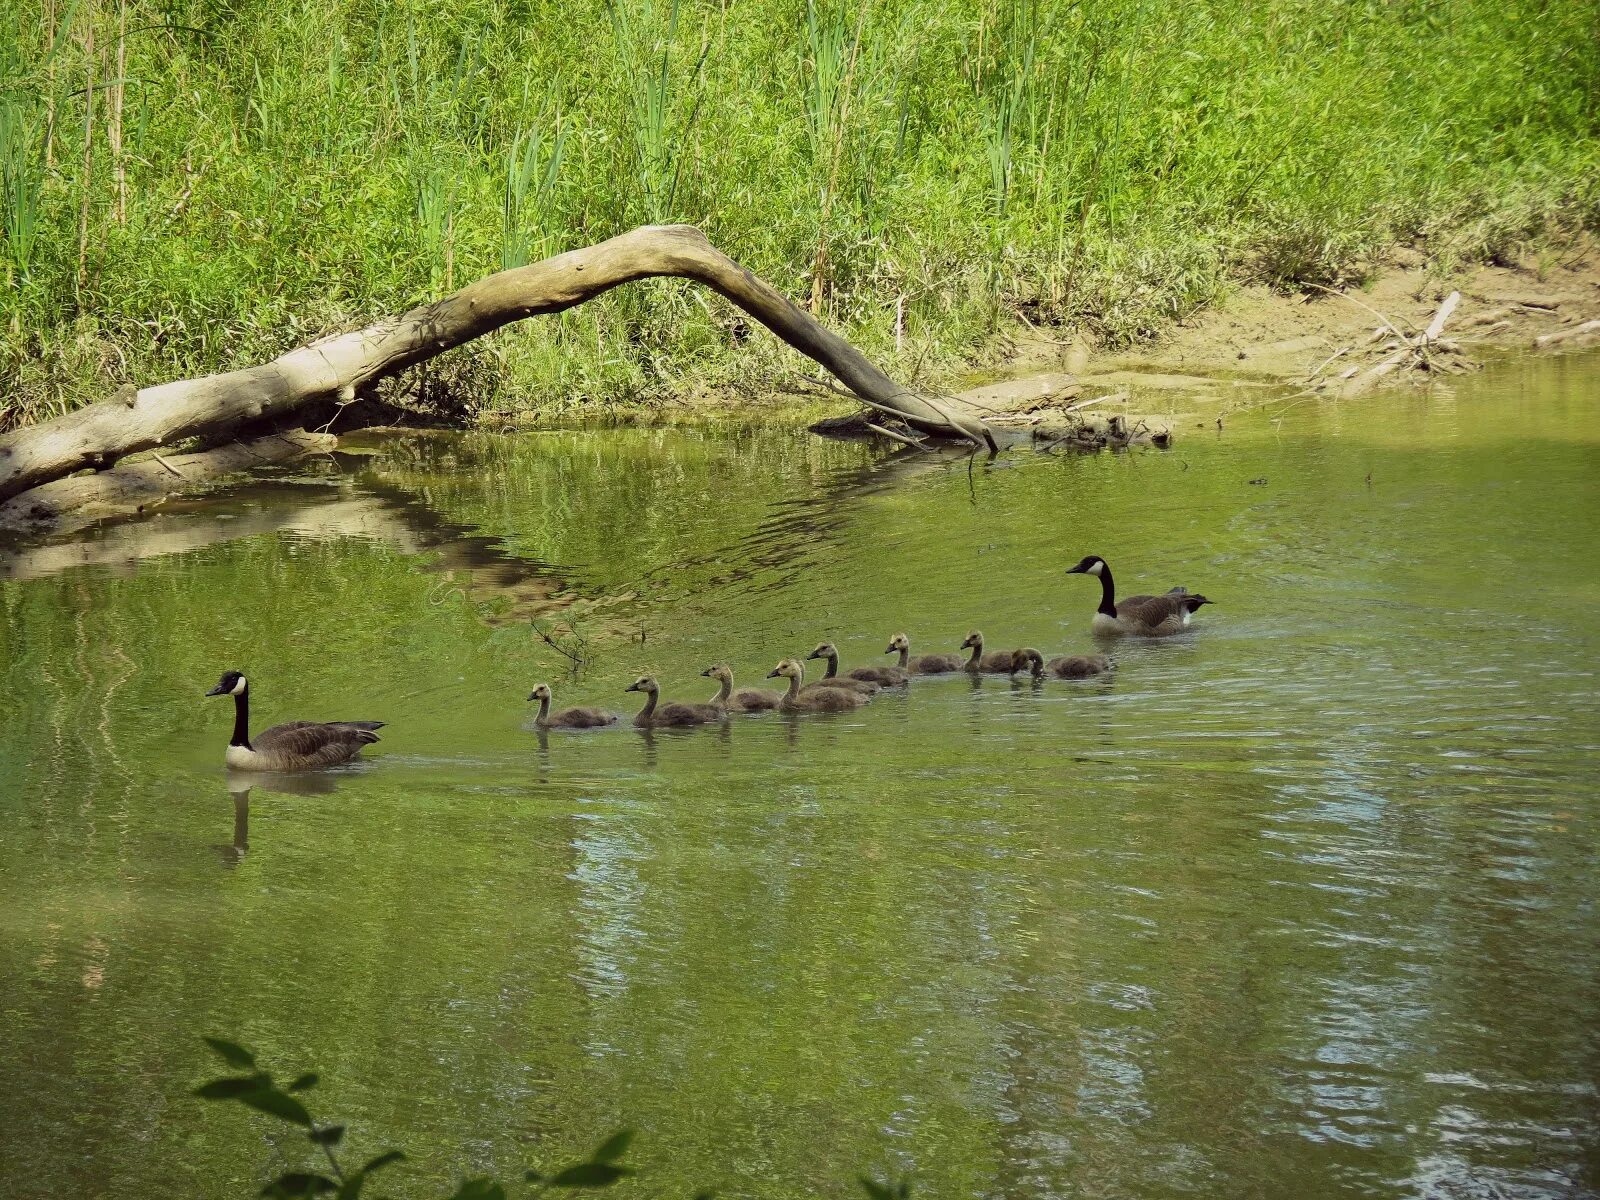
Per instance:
(530,696)
(888,649)
(774,673)
(632,687)
(219,690)
(706,672)
(813,654)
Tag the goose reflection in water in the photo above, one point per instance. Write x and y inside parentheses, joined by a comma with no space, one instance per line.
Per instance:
(241,783)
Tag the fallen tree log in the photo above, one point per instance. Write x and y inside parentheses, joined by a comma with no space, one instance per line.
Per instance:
(138,484)
(335,368)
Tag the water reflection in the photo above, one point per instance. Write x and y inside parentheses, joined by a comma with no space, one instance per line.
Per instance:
(241,784)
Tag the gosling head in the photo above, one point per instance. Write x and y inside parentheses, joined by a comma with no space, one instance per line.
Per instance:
(717,671)
(645,683)
(974,641)
(1092,564)
(897,643)
(824,650)
(541,692)
(232,683)
(788,669)
(1027,659)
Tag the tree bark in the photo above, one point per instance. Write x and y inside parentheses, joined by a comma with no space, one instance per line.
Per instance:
(336,367)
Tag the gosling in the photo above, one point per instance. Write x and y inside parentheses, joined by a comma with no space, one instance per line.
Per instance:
(743,700)
(922,664)
(568,718)
(671,714)
(798,700)
(879,677)
(1063,666)
(996,662)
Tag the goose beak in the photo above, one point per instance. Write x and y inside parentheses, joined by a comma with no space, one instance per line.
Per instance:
(530,695)
(813,654)
(1080,569)
(632,687)
(774,673)
(219,690)
(888,649)
(706,672)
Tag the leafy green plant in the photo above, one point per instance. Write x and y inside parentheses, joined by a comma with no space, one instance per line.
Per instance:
(532,169)
(257,1089)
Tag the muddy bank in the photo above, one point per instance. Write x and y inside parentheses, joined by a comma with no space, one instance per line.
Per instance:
(1260,345)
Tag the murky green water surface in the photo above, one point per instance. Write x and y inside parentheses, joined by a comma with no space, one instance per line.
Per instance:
(1301,904)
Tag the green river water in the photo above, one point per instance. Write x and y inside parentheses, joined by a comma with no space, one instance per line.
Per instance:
(1303,903)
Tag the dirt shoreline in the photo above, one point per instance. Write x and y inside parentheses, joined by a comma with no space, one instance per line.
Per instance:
(1259,345)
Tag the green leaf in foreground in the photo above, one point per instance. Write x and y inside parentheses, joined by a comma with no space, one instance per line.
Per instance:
(328,1135)
(351,1188)
(232,1053)
(274,1103)
(229,1089)
(589,1175)
(298,1183)
(614,1147)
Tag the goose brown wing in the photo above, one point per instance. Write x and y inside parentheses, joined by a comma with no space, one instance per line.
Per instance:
(315,739)
(1151,610)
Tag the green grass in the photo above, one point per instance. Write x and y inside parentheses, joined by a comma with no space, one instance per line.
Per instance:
(290,168)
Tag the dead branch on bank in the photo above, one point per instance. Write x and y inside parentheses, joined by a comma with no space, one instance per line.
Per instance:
(337,368)
(1427,352)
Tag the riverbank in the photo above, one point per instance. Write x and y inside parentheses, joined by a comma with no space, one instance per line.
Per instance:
(188,197)
(1258,344)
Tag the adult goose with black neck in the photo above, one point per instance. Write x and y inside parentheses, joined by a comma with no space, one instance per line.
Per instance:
(1147,616)
(294,745)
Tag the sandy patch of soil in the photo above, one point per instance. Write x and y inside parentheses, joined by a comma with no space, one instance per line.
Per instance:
(1261,345)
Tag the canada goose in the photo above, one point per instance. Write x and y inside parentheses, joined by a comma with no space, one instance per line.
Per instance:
(743,700)
(996,662)
(292,746)
(1063,666)
(674,713)
(798,699)
(1151,616)
(922,664)
(568,718)
(875,678)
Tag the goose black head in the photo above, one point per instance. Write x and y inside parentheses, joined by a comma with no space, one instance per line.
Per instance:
(541,692)
(645,683)
(1091,564)
(232,683)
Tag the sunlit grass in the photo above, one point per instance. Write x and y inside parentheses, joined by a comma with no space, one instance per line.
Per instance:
(293,168)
